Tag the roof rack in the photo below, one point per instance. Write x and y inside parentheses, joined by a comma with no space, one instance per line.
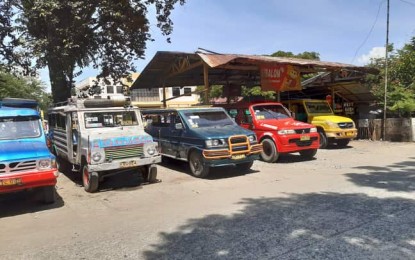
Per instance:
(96,102)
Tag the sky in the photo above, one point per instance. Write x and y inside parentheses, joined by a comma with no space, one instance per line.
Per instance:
(347,31)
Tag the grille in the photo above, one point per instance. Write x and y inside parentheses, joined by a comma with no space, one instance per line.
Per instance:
(238,140)
(301,131)
(345,125)
(17,167)
(238,144)
(121,152)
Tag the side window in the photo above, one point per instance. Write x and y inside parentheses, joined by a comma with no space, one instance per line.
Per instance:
(247,116)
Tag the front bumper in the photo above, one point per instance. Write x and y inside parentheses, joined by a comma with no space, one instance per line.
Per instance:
(232,156)
(22,181)
(124,164)
(296,143)
(230,161)
(342,134)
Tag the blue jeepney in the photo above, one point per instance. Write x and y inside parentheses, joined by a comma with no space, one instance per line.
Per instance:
(25,160)
(203,137)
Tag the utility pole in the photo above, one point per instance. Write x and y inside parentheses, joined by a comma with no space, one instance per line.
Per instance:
(386,72)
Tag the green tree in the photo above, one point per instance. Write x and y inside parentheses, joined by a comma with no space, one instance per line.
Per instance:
(303,55)
(24,87)
(401,79)
(67,35)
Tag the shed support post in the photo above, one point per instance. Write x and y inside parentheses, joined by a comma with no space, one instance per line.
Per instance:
(333,99)
(206,81)
(164,96)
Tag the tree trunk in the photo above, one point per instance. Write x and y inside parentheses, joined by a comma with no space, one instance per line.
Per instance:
(61,88)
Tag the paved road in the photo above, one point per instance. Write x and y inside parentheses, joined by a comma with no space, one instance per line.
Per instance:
(353,203)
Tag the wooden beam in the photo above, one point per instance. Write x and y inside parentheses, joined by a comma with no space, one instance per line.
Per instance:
(238,67)
(185,68)
(206,81)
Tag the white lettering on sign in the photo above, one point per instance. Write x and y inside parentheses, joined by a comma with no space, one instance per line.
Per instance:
(273,72)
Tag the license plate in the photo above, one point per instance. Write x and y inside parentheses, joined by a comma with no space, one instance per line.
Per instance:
(304,138)
(10,182)
(128,164)
(238,156)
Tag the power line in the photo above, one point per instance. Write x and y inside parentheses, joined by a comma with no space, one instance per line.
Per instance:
(370,32)
(407,2)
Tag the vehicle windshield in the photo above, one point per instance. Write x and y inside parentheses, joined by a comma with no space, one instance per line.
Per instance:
(265,112)
(110,119)
(318,108)
(199,119)
(19,127)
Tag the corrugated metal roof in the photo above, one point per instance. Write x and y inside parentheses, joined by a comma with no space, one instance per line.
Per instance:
(171,69)
(216,60)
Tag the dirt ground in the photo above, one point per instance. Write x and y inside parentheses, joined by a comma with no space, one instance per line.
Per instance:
(351,203)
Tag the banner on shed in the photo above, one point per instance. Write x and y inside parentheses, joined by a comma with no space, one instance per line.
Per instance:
(280,77)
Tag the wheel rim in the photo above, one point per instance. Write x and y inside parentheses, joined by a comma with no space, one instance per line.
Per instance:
(196,164)
(85,176)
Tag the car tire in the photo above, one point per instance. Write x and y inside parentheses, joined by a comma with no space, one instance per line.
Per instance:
(49,194)
(197,166)
(269,151)
(323,139)
(308,154)
(90,180)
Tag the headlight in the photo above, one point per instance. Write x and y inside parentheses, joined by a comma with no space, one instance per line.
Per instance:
(215,143)
(332,124)
(45,164)
(252,138)
(286,132)
(96,157)
(151,150)
(313,130)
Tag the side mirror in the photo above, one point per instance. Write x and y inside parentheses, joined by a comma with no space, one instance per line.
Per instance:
(178,126)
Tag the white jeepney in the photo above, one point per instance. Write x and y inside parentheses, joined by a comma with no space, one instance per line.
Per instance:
(100,137)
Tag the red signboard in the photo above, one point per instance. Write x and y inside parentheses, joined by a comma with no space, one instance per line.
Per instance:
(280,77)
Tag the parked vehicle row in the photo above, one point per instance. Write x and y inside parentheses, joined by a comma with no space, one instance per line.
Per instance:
(96,138)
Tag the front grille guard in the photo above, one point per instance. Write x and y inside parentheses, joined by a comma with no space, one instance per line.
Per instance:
(238,145)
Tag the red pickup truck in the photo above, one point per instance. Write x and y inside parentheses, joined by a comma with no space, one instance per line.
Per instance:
(278,132)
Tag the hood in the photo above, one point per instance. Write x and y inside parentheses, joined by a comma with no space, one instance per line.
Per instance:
(332,118)
(279,124)
(221,131)
(20,150)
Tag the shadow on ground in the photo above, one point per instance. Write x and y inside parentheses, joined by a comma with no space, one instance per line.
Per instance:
(214,174)
(310,226)
(24,202)
(397,177)
(294,158)
(123,181)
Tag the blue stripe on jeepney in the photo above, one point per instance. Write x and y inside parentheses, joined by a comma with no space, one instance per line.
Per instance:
(121,141)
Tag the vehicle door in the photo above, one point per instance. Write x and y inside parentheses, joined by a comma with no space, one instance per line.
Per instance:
(246,121)
(160,130)
(176,135)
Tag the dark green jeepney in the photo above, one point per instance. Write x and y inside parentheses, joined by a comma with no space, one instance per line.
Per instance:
(205,137)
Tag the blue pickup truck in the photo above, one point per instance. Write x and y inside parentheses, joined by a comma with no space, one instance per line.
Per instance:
(25,160)
(204,137)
